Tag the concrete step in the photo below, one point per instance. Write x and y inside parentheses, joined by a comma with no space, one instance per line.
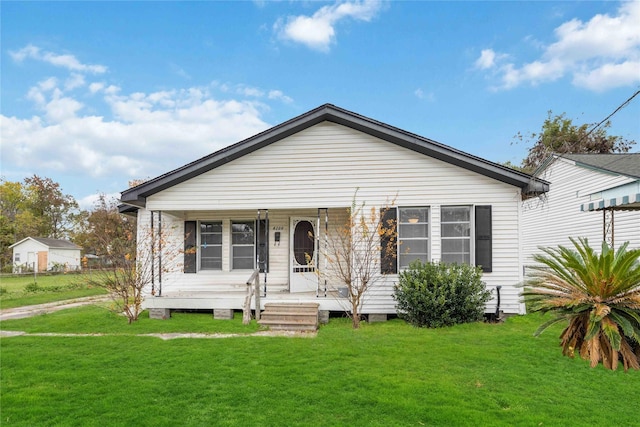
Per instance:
(310,318)
(290,316)
(288,306)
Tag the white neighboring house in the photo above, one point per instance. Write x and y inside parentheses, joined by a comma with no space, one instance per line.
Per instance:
(596,196)
(255,204)
(43,254)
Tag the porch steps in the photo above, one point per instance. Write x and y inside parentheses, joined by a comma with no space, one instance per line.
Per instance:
(290,316)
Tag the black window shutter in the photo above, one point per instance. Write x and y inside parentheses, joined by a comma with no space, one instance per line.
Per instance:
(484,256)
(389,243)
(262,234)
(190,234)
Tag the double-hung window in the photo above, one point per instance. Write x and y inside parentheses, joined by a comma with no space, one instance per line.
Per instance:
(243,245)
(211,245)
(413,235)
(455,223)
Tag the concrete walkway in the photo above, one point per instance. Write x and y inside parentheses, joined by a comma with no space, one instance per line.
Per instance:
(36,310)
(167,336)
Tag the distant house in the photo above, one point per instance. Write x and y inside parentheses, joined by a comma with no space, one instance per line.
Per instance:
(43,254)
(596,196)
(270,203)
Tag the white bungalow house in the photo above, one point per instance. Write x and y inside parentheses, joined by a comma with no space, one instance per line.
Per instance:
(596,196)
(44,254)
(270,202)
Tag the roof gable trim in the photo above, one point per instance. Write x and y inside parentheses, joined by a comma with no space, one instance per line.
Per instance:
(137,195)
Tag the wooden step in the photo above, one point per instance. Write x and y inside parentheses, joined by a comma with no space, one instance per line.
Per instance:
(290,316)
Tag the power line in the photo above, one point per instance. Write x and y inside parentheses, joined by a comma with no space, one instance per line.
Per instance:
(624,104)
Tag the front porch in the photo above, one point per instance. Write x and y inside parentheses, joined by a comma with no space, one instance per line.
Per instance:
(234,300)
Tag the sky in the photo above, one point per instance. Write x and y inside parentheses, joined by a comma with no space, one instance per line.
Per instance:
(96,94)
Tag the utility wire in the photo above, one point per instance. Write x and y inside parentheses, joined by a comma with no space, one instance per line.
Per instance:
(624,104)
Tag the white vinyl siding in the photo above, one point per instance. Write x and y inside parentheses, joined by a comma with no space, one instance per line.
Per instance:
(550,220)
(321,167)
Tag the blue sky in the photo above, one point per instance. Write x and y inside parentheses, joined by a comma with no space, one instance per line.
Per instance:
(94,94)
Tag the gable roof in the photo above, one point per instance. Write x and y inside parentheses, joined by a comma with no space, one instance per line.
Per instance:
(50,243)
(620,163)
(136,196)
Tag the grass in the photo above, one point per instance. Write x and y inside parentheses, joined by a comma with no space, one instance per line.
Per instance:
(385,374)
(24,290)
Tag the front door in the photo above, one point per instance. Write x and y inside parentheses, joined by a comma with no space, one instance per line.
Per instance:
(304,258)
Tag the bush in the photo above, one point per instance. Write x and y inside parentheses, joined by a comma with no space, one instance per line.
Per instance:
(437,294)
(32,287)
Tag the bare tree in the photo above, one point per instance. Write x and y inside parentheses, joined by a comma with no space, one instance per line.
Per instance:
(354,253)
(133,264)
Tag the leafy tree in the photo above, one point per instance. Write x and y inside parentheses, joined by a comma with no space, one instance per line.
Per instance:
(49,206)
(598,295)
(11,203)
(103,230)
(559,135)
(36,207)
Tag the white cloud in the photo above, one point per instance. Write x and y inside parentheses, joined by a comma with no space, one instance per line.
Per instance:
(140,135)
(277,94)
(318,31)
(486,60)
(150,133)
(69,62)
(96,87)
(250,91)
(420,94)
(74,81)
(599,54)
(89,202)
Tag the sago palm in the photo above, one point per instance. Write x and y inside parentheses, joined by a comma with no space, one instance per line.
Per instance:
(599,296)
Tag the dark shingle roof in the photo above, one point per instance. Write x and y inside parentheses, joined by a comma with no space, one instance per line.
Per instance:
(621,163)
(56,243)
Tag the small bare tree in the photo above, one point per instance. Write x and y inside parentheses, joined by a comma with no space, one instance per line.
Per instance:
(354,252)
(131,266)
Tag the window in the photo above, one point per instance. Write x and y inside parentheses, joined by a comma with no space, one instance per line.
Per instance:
(458,226)
(242,245)
(17,258)
(455,223)
(211,245)
(413,234)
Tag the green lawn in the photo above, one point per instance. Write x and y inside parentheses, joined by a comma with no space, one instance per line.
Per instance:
(384,374)
(17,291)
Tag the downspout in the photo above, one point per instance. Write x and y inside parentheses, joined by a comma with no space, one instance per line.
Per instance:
(160,254)
(266,249)
(153,255)
(326,246)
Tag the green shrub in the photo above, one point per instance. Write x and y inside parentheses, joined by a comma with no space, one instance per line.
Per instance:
(437,294)
(32,287)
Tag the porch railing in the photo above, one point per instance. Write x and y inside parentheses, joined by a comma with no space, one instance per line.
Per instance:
(253,288)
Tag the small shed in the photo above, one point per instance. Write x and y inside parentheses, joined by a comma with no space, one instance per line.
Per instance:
(44,254)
